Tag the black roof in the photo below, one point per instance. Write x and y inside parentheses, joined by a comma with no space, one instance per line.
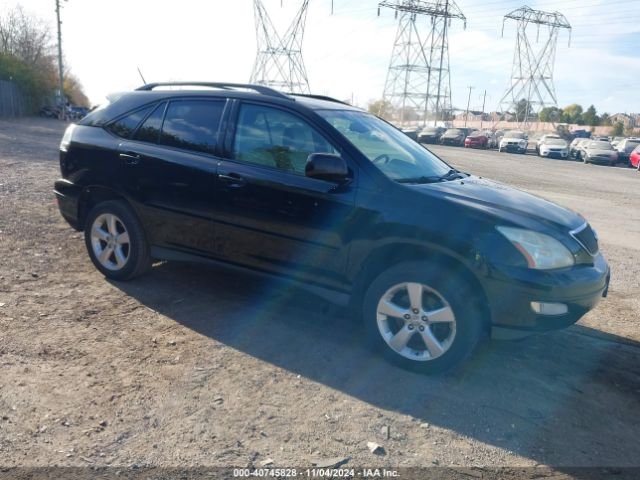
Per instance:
(124,102)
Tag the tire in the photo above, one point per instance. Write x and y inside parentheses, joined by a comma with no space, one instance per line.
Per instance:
(446,316)
(113,229)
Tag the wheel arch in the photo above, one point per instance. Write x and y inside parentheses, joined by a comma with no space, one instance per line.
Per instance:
(93,195)
(385,257)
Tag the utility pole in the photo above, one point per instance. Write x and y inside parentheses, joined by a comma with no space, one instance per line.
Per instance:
(468,103)
(60,71)
(484,99)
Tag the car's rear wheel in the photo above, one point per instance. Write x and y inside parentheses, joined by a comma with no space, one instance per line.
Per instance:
(421,318)
(115,240)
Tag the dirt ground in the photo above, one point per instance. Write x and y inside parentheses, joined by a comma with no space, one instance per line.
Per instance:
(188,366)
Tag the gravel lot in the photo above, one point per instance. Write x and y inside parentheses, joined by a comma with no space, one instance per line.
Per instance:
(187,366)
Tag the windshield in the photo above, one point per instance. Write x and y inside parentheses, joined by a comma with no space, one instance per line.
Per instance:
(395,154)
(556,141)
(477,134)
(514,135)
(600,146)
(453,131)
(430,130)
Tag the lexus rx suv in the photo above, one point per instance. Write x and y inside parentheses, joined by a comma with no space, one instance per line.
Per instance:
(306,189)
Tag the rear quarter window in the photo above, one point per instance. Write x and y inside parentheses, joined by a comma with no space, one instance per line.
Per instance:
(126,125)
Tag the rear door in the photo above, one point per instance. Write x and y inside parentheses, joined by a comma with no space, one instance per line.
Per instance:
(268,214)
(169,167)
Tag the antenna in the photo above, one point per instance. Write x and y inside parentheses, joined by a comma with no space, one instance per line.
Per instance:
(418,83)
(532,71)
(144,82)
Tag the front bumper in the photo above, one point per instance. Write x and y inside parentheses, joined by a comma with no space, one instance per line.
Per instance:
(553,154)
(513,147)
(510,291)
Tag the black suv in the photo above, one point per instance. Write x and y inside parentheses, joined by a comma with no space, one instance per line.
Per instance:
(310,189)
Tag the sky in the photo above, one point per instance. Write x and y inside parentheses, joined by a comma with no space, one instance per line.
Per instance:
(346,53)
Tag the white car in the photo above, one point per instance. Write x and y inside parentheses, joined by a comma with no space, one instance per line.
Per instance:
(554,147)
(544,138)
(514,141)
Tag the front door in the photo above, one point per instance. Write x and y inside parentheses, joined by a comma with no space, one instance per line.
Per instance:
(268,214)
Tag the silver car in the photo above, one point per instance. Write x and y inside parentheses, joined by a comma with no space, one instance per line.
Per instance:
(599,152)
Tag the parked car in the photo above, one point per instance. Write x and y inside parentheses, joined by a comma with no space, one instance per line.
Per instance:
(431,134)
(494,142)
(579,149)
(615,141)
(554,147)
(310,190)
(625,147)
(599,152)
(477,140)
(412,133)
(453,136)
(634,158)
(514,141)
(544,138)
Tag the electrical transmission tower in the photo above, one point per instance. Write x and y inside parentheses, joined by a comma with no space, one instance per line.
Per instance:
(418,83)
(279,61)
(532,72)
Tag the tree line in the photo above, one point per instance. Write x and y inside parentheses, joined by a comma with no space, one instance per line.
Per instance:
(28,59)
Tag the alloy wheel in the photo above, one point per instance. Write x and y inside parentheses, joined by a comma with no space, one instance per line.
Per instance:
(110,241)
(416,321)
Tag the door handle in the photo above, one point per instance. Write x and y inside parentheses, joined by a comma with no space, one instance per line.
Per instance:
(233,179)
(130,158)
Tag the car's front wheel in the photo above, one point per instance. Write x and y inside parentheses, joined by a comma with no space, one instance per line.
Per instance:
(115,240)
(422,317)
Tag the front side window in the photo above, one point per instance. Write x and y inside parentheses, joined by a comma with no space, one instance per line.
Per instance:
(275,138)
(126,125)
(395,154)
(192,125)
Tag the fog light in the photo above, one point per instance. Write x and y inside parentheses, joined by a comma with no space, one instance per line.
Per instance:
(544,308)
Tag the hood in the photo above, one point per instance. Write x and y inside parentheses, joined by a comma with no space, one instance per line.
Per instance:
(504,201)
(597,151)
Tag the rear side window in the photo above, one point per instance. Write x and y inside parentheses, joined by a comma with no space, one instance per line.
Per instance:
(126,125)
(149,131)
(192,125)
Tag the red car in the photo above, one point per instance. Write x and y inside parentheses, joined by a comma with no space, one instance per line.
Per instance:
(634,158)
(476,140)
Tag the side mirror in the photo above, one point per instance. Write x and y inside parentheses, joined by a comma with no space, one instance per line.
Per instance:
(325,166)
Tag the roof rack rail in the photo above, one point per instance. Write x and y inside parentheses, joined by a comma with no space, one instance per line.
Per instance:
(319,97)
(223,86)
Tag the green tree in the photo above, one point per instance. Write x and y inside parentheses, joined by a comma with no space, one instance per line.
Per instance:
(381,108)
(605,119)
(572,114)
(550,114)
(523,110)
(618,129)
(590,117)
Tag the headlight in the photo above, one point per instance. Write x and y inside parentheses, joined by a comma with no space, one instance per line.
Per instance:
(541,251)
(523,143)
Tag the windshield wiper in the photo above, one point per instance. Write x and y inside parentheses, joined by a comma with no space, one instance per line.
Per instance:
(452,175)
(423,179)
